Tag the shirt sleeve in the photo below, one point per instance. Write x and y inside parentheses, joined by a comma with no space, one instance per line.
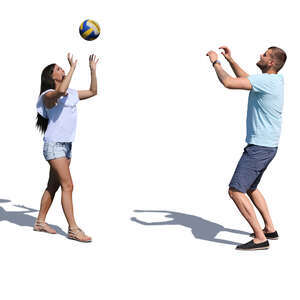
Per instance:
(41,109)
(261,83)
(74,95)
(77,96)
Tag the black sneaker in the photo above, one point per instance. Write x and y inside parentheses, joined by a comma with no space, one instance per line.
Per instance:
(252,246)
(270,235)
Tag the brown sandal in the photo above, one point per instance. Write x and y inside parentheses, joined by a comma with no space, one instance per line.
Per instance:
(42,226)
(77,234)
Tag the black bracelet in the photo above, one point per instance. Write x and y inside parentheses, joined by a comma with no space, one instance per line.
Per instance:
(216,62)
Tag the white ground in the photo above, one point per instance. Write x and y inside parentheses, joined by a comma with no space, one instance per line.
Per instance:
(161,135)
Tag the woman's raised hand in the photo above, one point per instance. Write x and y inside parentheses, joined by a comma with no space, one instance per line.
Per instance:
(93,62)
(71,61)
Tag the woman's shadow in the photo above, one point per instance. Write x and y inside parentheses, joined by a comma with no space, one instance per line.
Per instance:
(201,228)
(21,218)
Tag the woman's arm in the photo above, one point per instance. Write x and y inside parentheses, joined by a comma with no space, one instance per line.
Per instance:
(51,97)
(85,94)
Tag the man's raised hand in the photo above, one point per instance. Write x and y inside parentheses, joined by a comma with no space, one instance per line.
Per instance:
(226,53)
(213,56)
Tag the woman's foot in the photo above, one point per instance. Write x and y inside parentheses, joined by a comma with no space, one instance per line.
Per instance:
(41,225)
(75,233)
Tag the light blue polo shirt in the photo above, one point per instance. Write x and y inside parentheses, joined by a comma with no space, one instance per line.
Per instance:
(264,113)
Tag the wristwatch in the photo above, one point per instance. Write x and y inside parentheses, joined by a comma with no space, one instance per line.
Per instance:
(216,62)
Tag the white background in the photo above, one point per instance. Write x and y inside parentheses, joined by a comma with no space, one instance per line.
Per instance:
(162,134)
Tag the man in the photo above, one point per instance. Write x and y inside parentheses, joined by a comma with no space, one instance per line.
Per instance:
(263,131)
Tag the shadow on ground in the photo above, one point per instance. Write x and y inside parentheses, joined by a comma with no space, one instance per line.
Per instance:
(21,218)
(201,228)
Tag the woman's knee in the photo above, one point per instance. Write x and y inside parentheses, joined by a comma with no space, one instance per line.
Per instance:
(67,186)
(52,188)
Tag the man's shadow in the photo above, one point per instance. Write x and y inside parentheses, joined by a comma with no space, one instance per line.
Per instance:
(21,218)
(201,228)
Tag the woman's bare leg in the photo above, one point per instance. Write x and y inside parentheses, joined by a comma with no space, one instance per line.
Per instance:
(48,196)
(46,202)
(61,167)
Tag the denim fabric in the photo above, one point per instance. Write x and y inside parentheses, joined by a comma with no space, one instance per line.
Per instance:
(251,167)
(54,150)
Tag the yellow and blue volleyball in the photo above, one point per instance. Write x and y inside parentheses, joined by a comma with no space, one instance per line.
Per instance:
(89,30)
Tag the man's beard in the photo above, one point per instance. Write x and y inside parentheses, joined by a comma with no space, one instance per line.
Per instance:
(262,66)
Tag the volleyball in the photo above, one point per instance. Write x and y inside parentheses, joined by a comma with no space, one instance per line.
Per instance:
(89,30)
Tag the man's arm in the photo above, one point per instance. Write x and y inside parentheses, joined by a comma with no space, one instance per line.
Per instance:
(238,71)
(228,81)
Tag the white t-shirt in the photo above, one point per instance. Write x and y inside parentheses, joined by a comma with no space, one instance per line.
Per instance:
(62,117)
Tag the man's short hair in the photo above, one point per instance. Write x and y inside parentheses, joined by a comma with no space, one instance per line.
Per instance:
(279,57)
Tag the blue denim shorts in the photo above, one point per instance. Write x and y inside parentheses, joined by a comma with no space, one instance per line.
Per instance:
(54,150)
(251,167)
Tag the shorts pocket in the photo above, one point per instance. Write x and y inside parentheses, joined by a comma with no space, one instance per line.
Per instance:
(48,149)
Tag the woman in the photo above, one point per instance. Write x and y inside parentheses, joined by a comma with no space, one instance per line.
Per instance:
(56,118)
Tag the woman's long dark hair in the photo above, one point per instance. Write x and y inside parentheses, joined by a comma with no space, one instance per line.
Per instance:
(47,83)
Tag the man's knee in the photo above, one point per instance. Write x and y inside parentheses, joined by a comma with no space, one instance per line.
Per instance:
(250,192)
(232,192)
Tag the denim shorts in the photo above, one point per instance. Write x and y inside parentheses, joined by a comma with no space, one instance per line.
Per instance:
(251,167)
(54,150)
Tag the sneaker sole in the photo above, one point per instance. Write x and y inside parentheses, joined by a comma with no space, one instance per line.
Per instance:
(74,239)
(276,238)
(37,230)
(261,248)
